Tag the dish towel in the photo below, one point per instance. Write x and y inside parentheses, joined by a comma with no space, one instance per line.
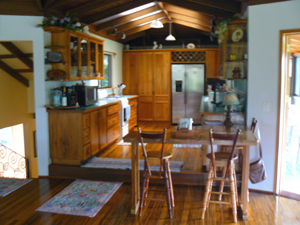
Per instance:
(127,112)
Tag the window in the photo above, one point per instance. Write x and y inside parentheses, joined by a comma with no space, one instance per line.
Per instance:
(106,82)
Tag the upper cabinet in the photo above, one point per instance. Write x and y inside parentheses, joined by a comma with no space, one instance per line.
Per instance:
(234,53)
(81,55)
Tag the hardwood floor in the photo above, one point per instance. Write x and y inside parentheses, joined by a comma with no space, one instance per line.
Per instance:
(18,208)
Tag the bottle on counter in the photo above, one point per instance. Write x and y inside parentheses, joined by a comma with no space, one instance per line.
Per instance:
(64,101)
(56,98)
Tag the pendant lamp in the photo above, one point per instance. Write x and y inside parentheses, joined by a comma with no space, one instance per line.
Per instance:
(156,23)
(170,37)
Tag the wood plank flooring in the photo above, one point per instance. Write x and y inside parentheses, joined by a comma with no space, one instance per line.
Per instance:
(18,208)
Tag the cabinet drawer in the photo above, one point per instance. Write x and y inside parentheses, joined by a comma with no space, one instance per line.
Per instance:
(113,120)
(113,109)
(132,122)
(86,120)
(113,133)
(133,111)
(132,102)
(87,151)
(86,134)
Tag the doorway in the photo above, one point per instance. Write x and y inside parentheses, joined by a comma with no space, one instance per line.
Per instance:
(289,126)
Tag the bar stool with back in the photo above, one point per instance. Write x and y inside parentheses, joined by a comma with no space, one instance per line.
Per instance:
(164,169)
(224,160)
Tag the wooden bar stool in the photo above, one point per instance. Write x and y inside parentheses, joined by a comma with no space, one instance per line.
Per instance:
(226,161)
(164,172)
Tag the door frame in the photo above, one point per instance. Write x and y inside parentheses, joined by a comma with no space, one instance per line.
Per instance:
(282,111)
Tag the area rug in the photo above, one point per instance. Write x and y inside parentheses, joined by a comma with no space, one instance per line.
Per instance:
(8,185)
(81,198)
(125,164)
(186,146)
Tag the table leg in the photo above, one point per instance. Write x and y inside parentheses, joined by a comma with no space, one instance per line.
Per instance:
(245,178)
(135,178)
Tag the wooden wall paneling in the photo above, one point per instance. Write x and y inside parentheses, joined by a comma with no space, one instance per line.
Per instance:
(130,73)
(162,86)
(94,130)
(212,63)
(145,86)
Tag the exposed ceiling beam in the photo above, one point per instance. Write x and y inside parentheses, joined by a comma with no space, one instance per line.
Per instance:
(136,23)
(205,30)
(39,4)
(258,2)
(20,8)
(190,13)
(24,70)
(133,36)
(10,56)
(13,73)
(48,3)
(161,6)
(124,19)
(230,6)
(199,8)
(140,28)
(115,10)
(18,53)
(189,19)
(93,7)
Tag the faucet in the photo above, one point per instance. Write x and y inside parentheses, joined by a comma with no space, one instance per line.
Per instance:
(121,87)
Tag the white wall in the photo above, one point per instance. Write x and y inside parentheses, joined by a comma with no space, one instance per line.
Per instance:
(22,28)
(264,23)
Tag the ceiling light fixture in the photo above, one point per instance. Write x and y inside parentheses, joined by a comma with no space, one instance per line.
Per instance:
(123,35)
(170,37)
(114,31)
(156,23)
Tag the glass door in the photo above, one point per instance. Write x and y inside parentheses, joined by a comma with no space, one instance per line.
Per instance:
(74,53)
(92,61)
(84,58)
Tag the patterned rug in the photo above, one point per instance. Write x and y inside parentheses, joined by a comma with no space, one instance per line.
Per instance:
(81,198)
(186,146)
(8,185)
(125,164)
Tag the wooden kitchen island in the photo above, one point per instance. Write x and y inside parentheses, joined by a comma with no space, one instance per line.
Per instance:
(246,139)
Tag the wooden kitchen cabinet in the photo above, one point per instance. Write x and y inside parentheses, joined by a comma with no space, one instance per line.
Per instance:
(132,122)
(212,63)
(82,54)
(77,135)
(148,75)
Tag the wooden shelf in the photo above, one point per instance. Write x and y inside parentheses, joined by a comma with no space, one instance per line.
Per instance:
(55,47)
(237,60)
(47,63)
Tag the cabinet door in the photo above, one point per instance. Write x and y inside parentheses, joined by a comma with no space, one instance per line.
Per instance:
(100,59)
(162,89)
(92,60)
(103,128)
(74,57)
(145,87)
(212,63)
(94,129)
(131,73)
(84,58)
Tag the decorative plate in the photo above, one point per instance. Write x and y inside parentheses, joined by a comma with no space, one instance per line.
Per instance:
(237,35)
(190,45)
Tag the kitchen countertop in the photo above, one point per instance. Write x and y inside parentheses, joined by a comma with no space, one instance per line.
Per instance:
(208,107)
(100,103)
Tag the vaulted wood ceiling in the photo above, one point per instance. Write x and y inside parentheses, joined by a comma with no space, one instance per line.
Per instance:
(191,19)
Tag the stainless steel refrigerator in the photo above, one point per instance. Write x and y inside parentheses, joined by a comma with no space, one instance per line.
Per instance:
(188,81)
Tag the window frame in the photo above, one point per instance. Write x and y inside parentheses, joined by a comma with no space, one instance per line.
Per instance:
(110,62)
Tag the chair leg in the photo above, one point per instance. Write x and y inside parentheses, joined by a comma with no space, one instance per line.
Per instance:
(171,184)
(207,192)
(222,183)
(236,191)
(233,193)
(168,192)
(143,191)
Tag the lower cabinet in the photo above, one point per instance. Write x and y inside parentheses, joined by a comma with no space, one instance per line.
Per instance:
(77,135)
(132,122)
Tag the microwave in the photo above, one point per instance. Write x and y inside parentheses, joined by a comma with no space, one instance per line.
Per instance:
(86,95)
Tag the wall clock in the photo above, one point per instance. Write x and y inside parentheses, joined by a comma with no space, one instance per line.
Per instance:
(237,35)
